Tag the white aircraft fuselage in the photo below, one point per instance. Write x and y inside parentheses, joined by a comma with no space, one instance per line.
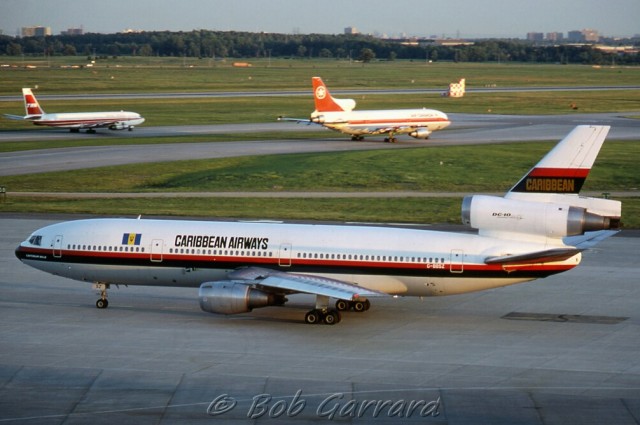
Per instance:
(373,122)
(117,120)
(396,261)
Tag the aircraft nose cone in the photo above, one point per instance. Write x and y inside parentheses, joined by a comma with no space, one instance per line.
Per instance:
(446,121)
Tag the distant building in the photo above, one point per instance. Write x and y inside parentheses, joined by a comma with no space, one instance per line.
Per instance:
(554,36)
(575,36)
(73,31)
(449,42)
(351,30)
(535,36)
(591,35)
(580,36)
(35,31)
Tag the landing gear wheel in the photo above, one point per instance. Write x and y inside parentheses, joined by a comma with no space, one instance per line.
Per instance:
(342,305)
(312,317)
(359,306)
(102,301)
(332,317)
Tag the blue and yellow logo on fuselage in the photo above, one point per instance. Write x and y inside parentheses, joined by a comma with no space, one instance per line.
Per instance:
(131,238)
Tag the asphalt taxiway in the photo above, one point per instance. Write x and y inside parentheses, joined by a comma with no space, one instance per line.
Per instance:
(466,129)
(560,350)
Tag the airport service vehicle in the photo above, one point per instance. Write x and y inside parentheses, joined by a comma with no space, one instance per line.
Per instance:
(338,115)
(539,228)
(75,121)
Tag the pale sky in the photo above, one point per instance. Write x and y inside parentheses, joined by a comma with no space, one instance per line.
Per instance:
(450,18)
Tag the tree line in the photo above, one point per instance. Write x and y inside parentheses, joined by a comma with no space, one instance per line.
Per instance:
(232,44)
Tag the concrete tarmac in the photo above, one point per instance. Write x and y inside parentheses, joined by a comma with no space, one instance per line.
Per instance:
(561,350)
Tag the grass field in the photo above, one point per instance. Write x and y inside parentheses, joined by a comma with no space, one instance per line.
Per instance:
(451,169)
(475,168)
(139,75)
(132,75)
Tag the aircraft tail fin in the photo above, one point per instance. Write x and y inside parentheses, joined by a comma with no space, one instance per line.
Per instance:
(31,105)
(456,89)
(545,203)
(566,167)
(325,102)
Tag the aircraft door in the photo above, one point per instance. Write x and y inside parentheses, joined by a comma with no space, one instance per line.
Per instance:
(57,246)
(157,246)
(284,255)
(456,261)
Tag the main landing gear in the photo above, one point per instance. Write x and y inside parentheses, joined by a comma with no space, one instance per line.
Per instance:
(357,306)
(102,301)
(323,314)
(326,316)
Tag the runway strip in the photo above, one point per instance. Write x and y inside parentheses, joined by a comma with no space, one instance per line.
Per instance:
(468,129)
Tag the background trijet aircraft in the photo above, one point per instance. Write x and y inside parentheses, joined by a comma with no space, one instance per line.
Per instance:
(75,121)
(338,115)
(537,229)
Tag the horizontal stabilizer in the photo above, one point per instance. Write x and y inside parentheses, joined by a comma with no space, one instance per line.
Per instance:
(589,239)
(296,120)
(546,256)
(14,117)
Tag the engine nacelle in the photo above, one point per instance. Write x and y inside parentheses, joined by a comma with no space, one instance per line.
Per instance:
(118,126)
(228,297)
(491,213)
(421,133)
(318,119)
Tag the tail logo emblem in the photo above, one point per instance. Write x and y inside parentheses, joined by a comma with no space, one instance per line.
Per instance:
(321,92)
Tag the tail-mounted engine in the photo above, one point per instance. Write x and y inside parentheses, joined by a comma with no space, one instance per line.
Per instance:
(553,220)
(228,297)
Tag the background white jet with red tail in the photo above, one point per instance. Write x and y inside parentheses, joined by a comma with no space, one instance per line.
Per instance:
(338,115)
(75,121)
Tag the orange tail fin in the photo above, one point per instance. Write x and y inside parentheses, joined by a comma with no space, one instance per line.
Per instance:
(323,99)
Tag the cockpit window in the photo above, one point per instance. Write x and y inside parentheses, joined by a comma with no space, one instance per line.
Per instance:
(35,240)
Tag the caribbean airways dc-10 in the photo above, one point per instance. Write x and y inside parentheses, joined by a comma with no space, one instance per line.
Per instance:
(75,121)
(338,115)
(539,228)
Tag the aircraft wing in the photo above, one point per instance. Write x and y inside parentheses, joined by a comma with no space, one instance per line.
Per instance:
(577,244)
(100,124)
(304,283)
(546,256)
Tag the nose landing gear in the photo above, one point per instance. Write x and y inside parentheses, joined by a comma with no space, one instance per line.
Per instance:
(102,301)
